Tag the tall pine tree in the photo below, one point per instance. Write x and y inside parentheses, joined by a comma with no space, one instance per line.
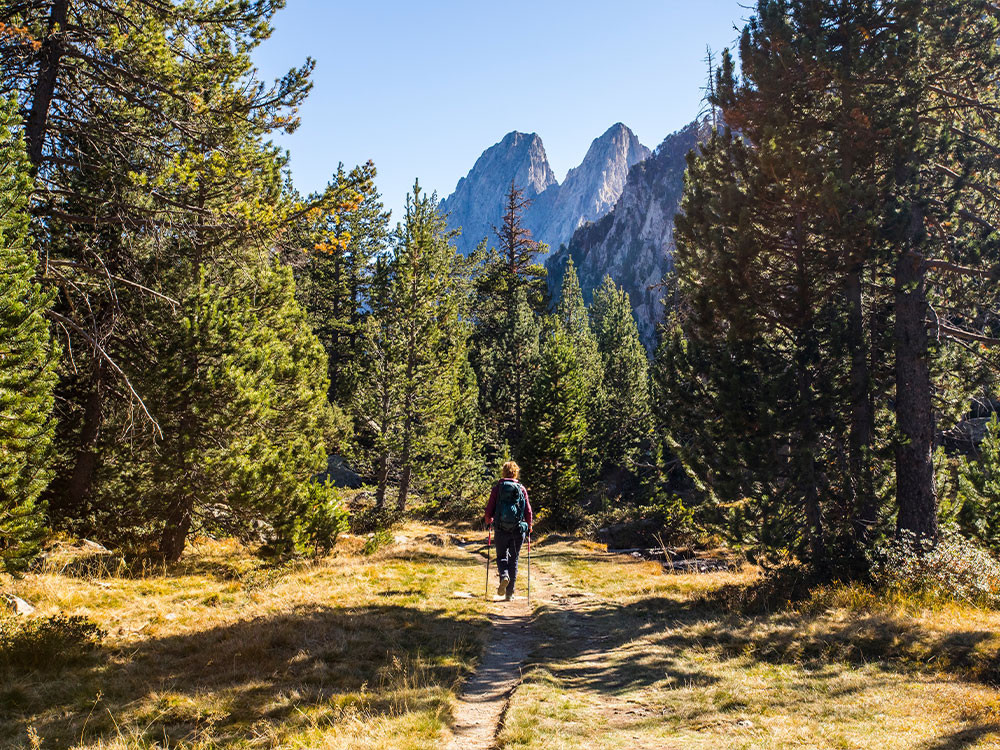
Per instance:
(27,364)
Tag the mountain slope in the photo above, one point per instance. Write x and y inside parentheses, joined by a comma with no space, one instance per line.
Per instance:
(477,203)
(634,242)
(590,190)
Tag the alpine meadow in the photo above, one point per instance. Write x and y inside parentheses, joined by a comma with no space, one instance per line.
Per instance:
(717,422)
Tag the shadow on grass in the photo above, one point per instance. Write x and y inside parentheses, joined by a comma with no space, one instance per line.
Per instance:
(222,684)
(655,636)
(963,738)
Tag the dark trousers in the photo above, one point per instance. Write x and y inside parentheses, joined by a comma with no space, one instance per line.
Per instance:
(508,550)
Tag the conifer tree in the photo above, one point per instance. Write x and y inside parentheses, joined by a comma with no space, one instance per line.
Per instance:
(571,312)
(626,421)
(556,429)
(415,397)
(27,365)
(240,388)
(334,283)
(510,298)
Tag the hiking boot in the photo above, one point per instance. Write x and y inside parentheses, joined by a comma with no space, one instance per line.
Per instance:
(508,596)
(502,588)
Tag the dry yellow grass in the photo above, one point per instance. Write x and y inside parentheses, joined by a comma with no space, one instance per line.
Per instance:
(648,663)
(368,652)
(221,651)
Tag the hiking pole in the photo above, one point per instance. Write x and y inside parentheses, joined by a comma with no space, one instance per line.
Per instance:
(529,566)
(489,540)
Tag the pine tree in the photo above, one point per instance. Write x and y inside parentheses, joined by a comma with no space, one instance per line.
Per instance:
(27,367)
(556,429)
(334,281)
(511,295)
(415,398)
(571,312)
(625,427)
(240,388)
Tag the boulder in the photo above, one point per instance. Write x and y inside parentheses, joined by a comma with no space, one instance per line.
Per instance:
(340,474)
(16,604)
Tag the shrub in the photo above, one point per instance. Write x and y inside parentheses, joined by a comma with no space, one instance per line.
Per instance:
(46,642)
(320,519)
(372,519)
(956,568)
(376,541)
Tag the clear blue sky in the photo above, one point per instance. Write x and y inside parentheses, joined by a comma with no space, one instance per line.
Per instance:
(423,88)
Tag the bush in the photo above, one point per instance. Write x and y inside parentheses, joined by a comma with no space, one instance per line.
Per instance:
(320,519)
(954,569)
(376,541)
(779,588)
(662,520)
(372,519)
(325,519)
(46,642)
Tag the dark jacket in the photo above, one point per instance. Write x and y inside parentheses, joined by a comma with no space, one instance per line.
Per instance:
(491,506)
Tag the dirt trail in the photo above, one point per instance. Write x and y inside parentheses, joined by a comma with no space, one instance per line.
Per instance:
(481,707)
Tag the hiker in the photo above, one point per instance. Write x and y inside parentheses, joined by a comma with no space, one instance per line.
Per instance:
(509,510)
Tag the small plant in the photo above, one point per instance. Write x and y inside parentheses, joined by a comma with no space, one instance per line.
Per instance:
(46,642)
(376,541)
(955,568)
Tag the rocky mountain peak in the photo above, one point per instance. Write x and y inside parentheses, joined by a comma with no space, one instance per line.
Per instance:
(477,203)
(591,189)
(589,192)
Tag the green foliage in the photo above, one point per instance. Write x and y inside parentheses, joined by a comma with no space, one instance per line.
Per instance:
(374,518)
(572,314)
(953,568)
(556,431)
(510,296)
(970,491)
(334,282)
(322,518)
(27,364)
(377,540)
(241,391)
(414,401)
(625,424)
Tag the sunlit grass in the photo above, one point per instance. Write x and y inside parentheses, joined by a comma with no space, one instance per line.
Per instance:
(646,661)
(222,651)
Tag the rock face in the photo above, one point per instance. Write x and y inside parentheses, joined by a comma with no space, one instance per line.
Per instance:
(591,189)
(634,242)
(476,206)
(589,192)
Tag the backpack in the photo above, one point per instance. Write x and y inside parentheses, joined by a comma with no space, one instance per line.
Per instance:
(510,507)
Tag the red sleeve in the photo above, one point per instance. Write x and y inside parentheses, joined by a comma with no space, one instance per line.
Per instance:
(491,506)
(528,516)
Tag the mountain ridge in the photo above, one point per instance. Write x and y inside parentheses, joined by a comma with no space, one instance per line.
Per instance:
(589,190)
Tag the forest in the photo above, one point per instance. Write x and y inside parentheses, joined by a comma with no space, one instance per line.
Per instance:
(188,339)
(242,424)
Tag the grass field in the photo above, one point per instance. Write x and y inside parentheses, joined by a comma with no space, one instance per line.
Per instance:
(649,661)
(360,651)
(350,652)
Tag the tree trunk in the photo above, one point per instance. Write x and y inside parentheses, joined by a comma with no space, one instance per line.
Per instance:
(404,487)
(406,462)
(82,478)
(807,453)
(175,530)
(48,74)
(915,494)
(862,427)
(382,479)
